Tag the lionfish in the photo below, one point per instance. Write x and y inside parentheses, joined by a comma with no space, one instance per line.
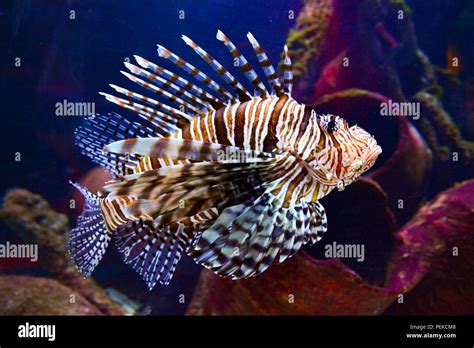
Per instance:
(229,177)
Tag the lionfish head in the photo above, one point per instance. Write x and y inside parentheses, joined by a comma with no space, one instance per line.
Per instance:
(348,152)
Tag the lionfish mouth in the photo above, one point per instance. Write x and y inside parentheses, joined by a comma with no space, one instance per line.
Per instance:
(372,155)
(377,151)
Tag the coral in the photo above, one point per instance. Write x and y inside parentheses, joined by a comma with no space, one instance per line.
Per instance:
(406,174)
(32,218)
(432,109)
(23,295)
(306,38)
(441,153)
(435,254)
(358,105)
(317,287)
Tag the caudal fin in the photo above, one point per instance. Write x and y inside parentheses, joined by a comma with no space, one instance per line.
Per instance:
(88,241)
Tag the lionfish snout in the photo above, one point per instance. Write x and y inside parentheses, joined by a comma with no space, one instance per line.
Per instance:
(372,155)
(367,151)
(362,151)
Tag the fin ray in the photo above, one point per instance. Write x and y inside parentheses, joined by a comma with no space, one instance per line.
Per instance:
(220,70)
(224,95)
(152,251)
(249,72)
(88,241)
(185,84)
(266,66)
(287,73)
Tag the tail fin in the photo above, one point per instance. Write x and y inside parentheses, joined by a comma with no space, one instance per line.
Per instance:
(89,239)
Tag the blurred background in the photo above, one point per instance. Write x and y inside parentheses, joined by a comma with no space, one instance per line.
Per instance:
(70,50)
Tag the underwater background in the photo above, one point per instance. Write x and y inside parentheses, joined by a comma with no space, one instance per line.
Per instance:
(413,212)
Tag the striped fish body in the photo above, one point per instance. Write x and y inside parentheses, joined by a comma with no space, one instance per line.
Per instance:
(276,123)
(250,125)
(229,177)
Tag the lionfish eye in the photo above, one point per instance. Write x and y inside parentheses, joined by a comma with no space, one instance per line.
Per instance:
(331,127)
